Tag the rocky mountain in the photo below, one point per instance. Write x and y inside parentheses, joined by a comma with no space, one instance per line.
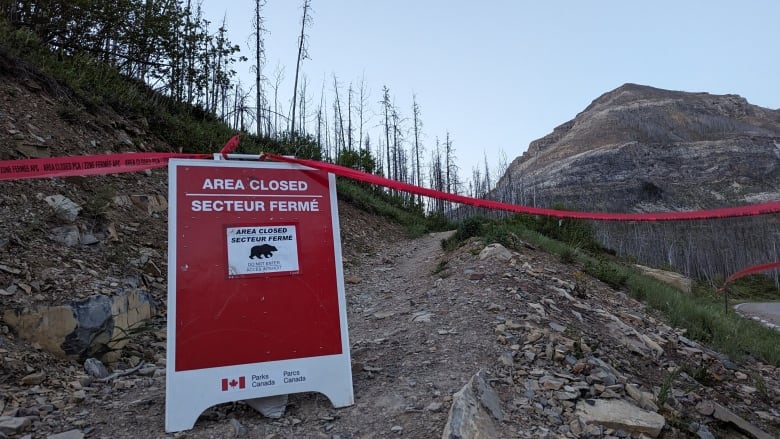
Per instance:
(639,148)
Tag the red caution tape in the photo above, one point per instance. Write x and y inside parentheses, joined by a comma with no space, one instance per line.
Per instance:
(230,146)
(729,212)
(748,271)
(131,162)
(88,165)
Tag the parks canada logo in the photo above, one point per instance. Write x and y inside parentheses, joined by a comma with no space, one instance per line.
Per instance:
(235,383)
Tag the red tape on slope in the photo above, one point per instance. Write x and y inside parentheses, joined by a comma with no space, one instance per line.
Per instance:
(88,165)
(748,271)
(729,212)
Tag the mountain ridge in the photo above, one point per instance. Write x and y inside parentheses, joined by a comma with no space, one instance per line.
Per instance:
(637,137)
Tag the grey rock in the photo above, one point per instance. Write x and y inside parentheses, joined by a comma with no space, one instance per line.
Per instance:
(619,414)
(94,325)
(549,382)
(434,407)
(88,239)
(422,316)
(64,207)
(730,365)
(495,251)
(602,376)
(722,413)
(488,397)
(70,434)
(270,406)
(633,392)
(68,236)
(575,427)
(507,359)
(33,379)
(78,396)
(85,328)
(595,361)
(557,327)
(677,280)
(474,411)
(238,429)
(566,396)
(14,425)
(95,368)
(609,393)
(704,433)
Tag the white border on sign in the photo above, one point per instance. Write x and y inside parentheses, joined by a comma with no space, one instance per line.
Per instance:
(189,393)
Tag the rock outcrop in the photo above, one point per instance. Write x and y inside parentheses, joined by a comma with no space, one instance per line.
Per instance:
(99,325)
(639,148)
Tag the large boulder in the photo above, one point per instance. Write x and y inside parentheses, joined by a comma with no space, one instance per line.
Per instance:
(677,280)
(620,415)
(475,412)
(495,251)
(96,326)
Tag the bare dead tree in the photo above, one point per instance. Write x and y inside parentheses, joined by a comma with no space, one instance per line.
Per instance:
(387,108)
(302,54)
(302,104)
(279,77)
(437,178)
(417,134)
(338,122)
(362,102)
(349,117)
(488,180)
(259,60)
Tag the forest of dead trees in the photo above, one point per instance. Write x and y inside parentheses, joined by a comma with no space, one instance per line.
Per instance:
(171,47)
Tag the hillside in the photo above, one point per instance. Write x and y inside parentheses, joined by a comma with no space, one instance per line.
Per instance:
(560,354)
(639,148)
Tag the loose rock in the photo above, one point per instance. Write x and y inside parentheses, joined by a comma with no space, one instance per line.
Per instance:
(474,412)
(619,414)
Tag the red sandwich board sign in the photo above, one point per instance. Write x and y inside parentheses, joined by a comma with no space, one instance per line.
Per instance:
(256,303)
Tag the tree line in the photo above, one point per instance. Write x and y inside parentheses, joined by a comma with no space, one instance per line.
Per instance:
(169,46)
(165,43)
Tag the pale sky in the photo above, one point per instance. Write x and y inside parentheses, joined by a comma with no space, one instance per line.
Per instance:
(498,74)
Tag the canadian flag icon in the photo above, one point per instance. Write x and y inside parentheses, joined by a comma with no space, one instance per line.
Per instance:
(233,383)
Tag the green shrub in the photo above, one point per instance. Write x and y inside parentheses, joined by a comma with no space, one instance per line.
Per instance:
(608,272)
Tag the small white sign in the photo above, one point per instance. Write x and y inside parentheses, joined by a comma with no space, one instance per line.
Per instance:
(262,249)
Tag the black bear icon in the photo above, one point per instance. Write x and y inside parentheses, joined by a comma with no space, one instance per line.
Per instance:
(262,251)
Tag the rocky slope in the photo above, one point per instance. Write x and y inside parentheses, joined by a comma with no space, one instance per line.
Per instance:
(639,148)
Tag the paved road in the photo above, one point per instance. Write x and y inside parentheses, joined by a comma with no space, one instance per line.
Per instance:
(768,311)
